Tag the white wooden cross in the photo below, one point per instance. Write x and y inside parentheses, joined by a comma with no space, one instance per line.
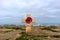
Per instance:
(28,20)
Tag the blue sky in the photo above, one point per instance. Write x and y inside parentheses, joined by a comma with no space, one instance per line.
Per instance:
(44,11)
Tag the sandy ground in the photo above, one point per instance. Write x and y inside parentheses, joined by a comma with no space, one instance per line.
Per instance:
(12,34)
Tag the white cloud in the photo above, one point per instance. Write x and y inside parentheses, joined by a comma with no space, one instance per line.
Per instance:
(51,16)
(38,8)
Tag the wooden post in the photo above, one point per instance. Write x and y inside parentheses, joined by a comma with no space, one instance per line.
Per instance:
(28,20)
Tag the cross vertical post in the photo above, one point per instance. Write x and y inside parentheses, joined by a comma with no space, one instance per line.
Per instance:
(28,20)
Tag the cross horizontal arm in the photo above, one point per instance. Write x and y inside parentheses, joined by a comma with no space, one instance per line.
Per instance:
(33,20)
(23,20)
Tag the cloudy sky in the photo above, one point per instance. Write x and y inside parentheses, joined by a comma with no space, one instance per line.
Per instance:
(44,11)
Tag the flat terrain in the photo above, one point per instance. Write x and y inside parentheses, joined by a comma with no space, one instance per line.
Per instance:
(37,33)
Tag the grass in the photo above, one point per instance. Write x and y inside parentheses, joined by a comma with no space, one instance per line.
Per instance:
(8,31)
(23,37)
(7,39)
(30,36)
(16,28)
(35,37)
(56,36)
(26,37)
(49,28)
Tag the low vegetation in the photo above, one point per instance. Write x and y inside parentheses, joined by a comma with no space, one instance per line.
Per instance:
(24,36)
(20,27)
(49,28)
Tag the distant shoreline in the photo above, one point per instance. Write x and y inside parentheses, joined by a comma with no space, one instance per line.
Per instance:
(33,24)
